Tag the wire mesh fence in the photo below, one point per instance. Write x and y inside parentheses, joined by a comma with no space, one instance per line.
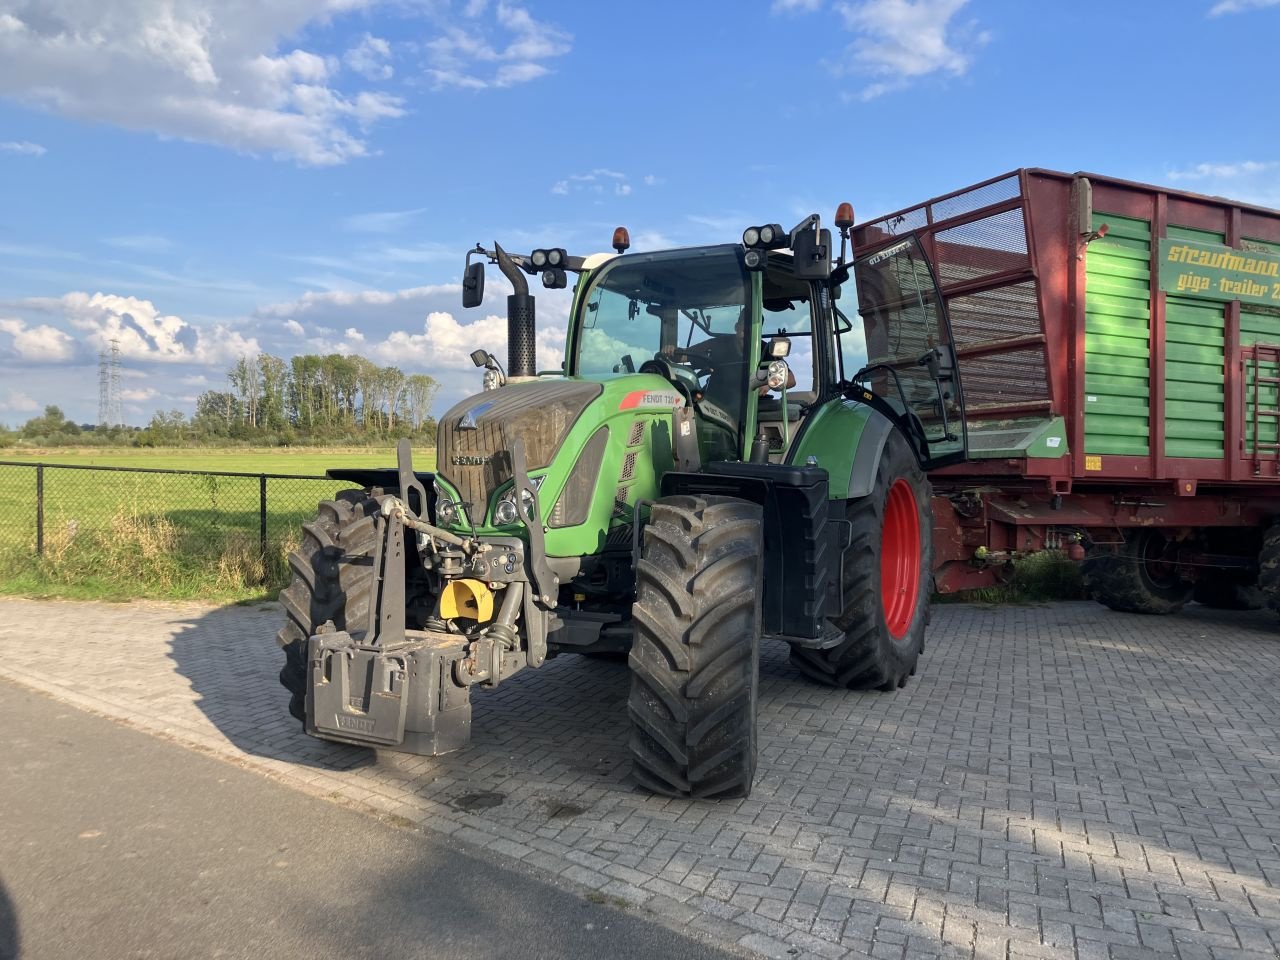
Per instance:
(160,527)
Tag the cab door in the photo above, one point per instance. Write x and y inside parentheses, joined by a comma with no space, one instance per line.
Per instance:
(909,369)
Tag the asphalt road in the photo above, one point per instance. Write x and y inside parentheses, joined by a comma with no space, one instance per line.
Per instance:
(116,844)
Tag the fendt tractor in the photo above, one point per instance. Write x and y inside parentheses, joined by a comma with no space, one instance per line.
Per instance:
(731,451)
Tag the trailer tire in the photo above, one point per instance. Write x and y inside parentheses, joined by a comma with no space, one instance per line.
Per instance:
(1134,579)
(1224,592)
(332,581)
(887,581)
(1269,567)
(696,650)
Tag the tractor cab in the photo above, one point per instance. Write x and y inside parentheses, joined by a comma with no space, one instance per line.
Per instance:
(754,348)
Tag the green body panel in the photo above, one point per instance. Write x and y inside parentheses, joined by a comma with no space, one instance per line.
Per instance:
(617,410)
(1259,327)
(832,436)
(1194,368)
(1118,338)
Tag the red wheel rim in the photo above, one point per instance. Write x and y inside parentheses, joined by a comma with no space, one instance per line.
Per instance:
(900,559)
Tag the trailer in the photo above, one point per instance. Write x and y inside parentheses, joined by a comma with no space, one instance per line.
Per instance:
(1120,350)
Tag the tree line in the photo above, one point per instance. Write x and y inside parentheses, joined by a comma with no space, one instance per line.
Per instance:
(309,398)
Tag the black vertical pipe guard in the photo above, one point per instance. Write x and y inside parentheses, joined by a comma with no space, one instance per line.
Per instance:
(521,336)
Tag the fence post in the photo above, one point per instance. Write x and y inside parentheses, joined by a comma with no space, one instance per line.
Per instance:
(39,509)
(262,524)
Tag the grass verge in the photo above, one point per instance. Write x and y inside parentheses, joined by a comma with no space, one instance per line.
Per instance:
(140,556)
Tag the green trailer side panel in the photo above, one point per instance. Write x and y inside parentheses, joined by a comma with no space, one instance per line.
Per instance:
(1194,371)
(1117,338)
(1259,327)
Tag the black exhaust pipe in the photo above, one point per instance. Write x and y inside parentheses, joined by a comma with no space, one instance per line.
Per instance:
(521,327)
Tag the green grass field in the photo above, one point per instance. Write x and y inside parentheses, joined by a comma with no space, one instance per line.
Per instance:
(299,460)
(120,535)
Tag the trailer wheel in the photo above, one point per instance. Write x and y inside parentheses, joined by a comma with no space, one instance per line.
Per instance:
(1222,591)
(1139,577)
(695,656)
(1269,567)
(332,577)
(887,576)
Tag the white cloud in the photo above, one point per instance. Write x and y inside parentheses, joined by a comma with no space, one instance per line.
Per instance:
(16,401)
(145,242)
(143,333)
(900,41)
(294,327)
(139,395)
(38,344)
(795,6)
(469,59)
(382,222)
(22,146)
(598,181)
(1223,171)
(191,69)
(1247,181)
(421,330)
(369,58)
(1240,6)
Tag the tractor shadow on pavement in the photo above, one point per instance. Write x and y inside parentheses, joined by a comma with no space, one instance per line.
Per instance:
(230,657)
(10,941)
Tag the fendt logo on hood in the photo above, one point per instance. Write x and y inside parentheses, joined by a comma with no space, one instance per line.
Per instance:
(465,460)
(468,420)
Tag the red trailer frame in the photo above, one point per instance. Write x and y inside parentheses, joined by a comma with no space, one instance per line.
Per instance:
(1011,255)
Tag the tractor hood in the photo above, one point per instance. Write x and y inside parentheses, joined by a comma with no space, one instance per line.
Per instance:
(475,435)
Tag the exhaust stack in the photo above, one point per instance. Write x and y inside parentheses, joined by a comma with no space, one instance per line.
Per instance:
(521,326)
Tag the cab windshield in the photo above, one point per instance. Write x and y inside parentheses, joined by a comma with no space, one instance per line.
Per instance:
(658,306)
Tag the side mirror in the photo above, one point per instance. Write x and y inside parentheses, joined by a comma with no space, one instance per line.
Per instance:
(778,348)
(812,252)
(473,286)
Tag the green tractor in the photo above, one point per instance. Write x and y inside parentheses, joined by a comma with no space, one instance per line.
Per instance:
(725,457)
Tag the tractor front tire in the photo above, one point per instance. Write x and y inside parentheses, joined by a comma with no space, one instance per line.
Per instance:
(1138,577)
(887,582)
(332,581)
(696,649)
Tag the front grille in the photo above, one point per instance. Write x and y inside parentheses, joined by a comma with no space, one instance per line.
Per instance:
(475,458)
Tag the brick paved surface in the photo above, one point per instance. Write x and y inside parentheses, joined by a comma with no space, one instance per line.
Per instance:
(1058,781)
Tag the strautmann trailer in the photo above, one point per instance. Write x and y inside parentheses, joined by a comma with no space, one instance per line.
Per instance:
(1120,348)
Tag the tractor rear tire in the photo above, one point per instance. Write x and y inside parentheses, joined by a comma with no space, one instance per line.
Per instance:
(1136,578)
(1269,567)
(696,649)
(1224,592)
(887,582)
(332,581)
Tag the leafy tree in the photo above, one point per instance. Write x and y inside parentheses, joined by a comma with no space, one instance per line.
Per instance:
(54,423)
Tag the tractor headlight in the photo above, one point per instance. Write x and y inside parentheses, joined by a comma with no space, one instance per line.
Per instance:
(776,375)
(538,258)
(446,509)
(751,236)
(505,513)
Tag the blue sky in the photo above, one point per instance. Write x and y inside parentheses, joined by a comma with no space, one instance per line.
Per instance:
(205,178)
